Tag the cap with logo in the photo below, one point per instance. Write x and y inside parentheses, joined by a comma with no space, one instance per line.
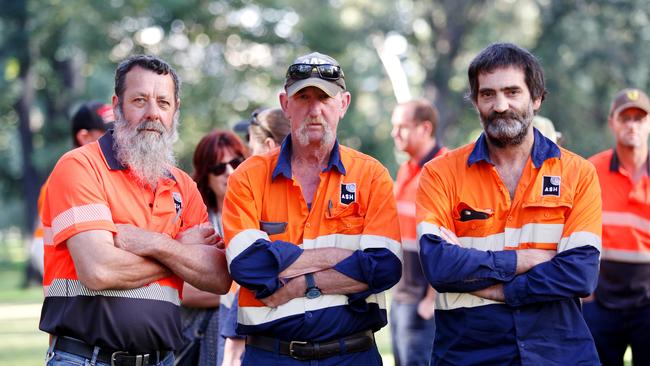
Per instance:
(92,116)
(317,70)
(630,98)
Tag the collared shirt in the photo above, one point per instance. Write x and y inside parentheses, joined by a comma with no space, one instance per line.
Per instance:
(268,224)
(624,280)
(556,206)
(90,190)
(412,287)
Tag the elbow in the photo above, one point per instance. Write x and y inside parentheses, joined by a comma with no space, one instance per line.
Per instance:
(96,279)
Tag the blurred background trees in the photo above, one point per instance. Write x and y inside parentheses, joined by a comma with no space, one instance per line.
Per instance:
(232,56)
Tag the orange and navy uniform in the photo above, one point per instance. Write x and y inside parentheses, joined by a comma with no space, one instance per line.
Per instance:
(556,206)
(268,224)
(90,190)
(412,287)
(625,267)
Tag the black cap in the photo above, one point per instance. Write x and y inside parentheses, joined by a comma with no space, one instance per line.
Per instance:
(92,116)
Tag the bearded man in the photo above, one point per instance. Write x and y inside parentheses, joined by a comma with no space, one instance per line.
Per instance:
(123,229)
(311,234)
(510,230)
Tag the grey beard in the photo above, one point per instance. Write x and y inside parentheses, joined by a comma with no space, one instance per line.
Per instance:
(328,135)
(508,128)
(149,155)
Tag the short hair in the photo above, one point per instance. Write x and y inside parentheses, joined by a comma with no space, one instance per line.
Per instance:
(501,55)
(423,110)
(147,62)
(209,151)
(269,123)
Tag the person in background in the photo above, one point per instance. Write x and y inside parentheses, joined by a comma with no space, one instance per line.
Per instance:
(618,314)
(266,129)
(89,123)
(412,326)
(546,127)
(510,230)
(215,157)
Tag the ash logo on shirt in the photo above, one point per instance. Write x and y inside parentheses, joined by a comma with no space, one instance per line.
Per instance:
(178,202)
(348,193)
(551,185)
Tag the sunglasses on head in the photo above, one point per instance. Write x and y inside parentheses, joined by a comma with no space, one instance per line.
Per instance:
(220,168)
(304,71)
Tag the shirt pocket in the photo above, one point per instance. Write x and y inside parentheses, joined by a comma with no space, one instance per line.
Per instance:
(544,224)
(345,219)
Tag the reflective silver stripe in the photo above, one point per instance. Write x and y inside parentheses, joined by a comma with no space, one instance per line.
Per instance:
(533,233)
(79,214)
(48,236)
(450,300)
(427,228)
(406,208)
(378,241)
(628,256)
(410,245)
(74,288)
(250,315)
(343,241)
(227,299)
(626,219)
(242,241)
(490,242)
(580,239)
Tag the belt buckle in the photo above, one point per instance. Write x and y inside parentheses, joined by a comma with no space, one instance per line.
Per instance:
(139,360)
(292,351)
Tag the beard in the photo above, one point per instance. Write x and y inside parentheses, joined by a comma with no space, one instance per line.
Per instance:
(507,128)
(145,148)
(302,133)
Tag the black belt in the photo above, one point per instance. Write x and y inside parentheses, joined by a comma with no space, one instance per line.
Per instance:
(303,351)
(116,358)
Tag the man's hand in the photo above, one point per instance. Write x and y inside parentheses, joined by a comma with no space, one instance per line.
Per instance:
(426,308)
(200,234)
(134,239)
(494,292)
(293,289)
(529,258)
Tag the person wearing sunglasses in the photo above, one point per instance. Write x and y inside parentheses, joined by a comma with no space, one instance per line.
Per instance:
(310,234)
(216,156)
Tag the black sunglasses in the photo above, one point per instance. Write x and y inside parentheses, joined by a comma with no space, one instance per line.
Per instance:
(220,168)
(325,71)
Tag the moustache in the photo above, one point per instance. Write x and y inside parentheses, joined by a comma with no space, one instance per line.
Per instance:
(151,126)
(507,115)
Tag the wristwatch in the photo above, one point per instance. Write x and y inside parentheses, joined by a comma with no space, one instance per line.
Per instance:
(312,290)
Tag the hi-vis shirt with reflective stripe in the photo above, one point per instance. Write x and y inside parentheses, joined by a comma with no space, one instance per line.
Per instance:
(626,211)
(556,206)
(90,190)
(268,224)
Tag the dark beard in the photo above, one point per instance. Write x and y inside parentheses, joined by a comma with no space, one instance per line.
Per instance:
(507,128)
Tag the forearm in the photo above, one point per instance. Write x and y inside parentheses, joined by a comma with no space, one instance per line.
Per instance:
(332,282)
(314,260)
(195,298)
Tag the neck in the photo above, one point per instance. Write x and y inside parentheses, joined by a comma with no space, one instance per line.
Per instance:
(508,155)
(634,160)
(313,154)
(423,150)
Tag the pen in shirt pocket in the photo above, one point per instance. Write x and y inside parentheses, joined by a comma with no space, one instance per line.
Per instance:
(329,207)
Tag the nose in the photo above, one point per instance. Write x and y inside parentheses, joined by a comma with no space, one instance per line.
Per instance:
(500,103)
(394,132)
(152,111)
(315,108)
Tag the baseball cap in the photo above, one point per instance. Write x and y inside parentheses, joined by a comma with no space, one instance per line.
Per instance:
(330,79)
(630,98)
(93,116)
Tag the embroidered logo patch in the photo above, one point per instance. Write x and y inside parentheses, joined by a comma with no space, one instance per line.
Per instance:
(551,185)
(348,193)
(178,202)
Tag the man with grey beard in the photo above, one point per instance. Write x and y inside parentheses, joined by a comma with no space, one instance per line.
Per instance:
(124,228)
(509,230)
(311,234)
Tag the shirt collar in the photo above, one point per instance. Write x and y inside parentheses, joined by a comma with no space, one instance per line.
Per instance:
(283,166)
(107,145)
(543,149)
(615,162)
(432,154)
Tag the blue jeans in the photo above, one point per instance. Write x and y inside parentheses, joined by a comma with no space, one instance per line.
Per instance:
(411,335)
(60,358)
(614,329)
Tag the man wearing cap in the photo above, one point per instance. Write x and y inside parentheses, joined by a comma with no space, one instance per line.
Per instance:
(89,123)
(310,234)
(619,313)
(124,228)
(411,313)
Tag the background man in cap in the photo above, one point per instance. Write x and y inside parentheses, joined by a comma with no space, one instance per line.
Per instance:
(124,228)
(411,313)
(619,314)
(310,234)
(510,230)
(89,123)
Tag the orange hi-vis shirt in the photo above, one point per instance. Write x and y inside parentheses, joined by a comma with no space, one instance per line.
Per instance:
(268,224)
(626,211)
(90,190)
